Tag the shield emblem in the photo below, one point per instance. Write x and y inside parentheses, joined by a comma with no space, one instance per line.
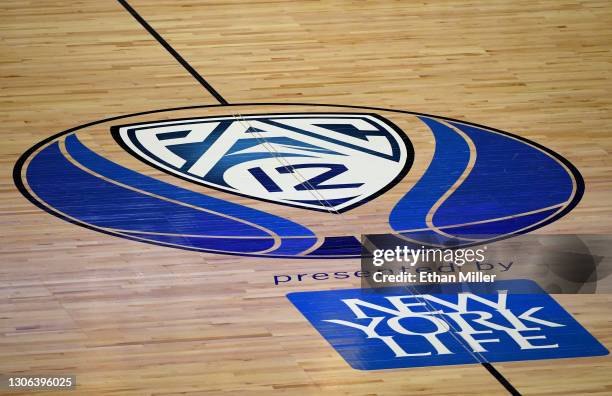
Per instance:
(330,162)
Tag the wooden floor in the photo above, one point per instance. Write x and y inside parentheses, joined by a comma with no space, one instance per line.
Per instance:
(135,319)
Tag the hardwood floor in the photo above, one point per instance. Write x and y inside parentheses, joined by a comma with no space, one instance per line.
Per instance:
(137,319)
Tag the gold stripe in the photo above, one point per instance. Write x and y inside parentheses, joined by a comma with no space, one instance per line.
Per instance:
(562,204)
(314,246)
(62,148)
(432,211)
(574,185)
(62,145)
(458,182)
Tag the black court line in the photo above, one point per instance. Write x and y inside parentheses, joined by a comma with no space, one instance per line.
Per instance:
(501,379)
(196,75)
(173,52)
(492,370)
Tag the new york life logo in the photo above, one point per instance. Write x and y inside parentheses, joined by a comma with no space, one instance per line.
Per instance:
(393,327)
(327,161)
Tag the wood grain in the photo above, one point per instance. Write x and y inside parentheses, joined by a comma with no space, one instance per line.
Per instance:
(135,319)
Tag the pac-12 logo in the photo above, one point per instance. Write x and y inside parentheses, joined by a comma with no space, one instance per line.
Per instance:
(397,327)
(295,180)
(330,162)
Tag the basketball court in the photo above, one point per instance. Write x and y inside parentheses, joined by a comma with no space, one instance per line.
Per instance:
(186,186)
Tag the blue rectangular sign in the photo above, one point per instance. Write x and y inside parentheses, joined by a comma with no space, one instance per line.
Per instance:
(401,327)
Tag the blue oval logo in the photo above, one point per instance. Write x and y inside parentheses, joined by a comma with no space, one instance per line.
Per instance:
(295,180)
